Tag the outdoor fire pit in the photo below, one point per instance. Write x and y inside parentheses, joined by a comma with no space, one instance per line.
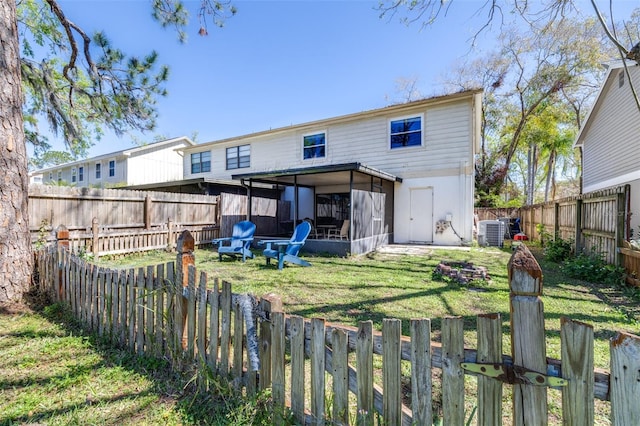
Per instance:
(461,272)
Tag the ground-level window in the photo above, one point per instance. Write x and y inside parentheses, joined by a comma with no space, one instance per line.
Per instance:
(98,170)
(238,157)
(201,162)
(406,132)
(80,174)
(74,175)
(112,168)
(314,146)
(59,175)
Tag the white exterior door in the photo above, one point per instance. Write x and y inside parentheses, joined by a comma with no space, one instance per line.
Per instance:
(421,215)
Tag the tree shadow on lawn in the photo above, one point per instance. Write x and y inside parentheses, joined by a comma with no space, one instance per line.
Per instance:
(177,391)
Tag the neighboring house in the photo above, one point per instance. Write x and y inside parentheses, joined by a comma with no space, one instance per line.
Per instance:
(149,164)
(402,174)
(609,138)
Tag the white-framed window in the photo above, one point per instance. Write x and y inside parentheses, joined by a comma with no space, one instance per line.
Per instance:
(81,174)
(59,175)
(74,175)
(98,170)
(314,146)
(405,132)
(50,176)
(238,157)
(201,162)
(112,168)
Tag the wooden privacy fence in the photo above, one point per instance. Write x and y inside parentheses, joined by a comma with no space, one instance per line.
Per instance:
(596,222)
(173,312)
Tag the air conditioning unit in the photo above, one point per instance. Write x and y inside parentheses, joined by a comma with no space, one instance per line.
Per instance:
(491,233)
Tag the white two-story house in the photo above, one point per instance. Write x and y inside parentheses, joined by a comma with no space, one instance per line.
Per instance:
(402,174)
(148,164)
(610,136)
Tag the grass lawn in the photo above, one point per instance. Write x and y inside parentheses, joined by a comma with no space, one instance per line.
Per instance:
(51,372)
(377,286)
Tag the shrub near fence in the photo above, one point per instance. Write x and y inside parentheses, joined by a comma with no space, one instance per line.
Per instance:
(171,311)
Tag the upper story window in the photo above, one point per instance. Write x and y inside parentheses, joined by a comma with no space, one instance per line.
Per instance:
(238,157)
(406,132)
(112,168)
(74,175)
(81,174)
(98,170)
(201,162)
(314,146)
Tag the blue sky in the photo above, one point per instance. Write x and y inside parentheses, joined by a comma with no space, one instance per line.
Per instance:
(278,63)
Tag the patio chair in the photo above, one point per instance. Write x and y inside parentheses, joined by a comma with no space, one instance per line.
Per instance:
(239,242)
(287,251)
(344,231)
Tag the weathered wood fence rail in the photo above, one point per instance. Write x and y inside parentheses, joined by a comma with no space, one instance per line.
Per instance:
(173,312)
(100,242)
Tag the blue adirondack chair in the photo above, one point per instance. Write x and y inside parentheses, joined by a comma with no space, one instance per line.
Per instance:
(239,242)
(287,251)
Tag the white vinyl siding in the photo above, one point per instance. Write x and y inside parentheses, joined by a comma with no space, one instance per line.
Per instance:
(156,164)
(610,143)
(447,145)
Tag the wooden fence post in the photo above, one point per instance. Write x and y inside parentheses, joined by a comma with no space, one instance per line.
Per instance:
(621,209)
(556,220)
(147,212)
(169,234)
(95,237)
(527,336)
(578,242)
(185,258)
(62,242)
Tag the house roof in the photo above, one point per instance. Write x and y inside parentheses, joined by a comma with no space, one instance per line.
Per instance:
(318,175)
(121,153)
(611,73)
(349,117)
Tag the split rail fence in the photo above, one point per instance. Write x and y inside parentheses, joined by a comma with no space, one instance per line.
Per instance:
(172,311)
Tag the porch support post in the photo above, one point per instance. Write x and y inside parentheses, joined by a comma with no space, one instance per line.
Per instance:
(249,198)
(352,225)
(295,201)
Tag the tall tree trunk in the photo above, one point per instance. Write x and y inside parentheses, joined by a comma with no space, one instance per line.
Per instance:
(551,165)
(15,246)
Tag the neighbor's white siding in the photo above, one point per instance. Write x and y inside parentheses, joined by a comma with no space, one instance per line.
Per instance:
(156,164)
(610,146)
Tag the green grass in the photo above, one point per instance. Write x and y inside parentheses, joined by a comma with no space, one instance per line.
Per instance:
(52,373)
(378,286)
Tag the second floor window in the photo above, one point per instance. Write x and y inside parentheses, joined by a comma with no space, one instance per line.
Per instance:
(314,146)
(98,170)
(238,157)
(201,162)
(112,168)
(406,132)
